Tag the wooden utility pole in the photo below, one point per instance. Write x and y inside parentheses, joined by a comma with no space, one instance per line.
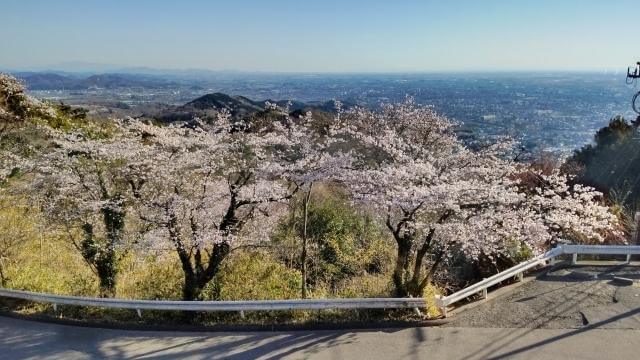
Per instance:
(303,256)
(636,232)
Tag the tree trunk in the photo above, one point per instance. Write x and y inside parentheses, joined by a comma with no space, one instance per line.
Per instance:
(303,256)
(402,266)
(191,290)
(417,284)
(196,278)
(102,257)
(636,219)
(107,269)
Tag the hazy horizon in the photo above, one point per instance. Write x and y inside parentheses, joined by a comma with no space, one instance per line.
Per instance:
(91,68)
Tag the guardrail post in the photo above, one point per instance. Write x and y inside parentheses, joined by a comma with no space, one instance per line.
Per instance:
(139,312)
(484,291)
(415,309)
(55,308)
(242,314)
(574,259)
(520,277)
(440,305)
(628,259)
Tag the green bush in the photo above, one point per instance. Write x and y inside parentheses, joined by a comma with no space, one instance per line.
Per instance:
(344,242)
(152,277)
(254,275)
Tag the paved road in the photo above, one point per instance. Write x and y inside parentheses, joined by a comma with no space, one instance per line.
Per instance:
(562,299)
(20,339)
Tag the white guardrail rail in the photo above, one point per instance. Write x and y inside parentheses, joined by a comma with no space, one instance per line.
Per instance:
(517,271)
(241,306)
(319,304)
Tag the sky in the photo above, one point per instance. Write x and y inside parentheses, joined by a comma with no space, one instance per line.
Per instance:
(321,35)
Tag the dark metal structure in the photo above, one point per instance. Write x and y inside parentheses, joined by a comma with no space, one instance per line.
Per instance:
(633,74)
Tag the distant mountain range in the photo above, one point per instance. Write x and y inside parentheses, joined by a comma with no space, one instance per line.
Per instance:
(56,81)
(204,107)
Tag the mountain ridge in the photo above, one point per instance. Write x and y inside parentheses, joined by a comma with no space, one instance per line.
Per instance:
(59,81)
(240,107)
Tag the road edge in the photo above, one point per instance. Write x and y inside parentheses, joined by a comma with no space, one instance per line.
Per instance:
(347,326)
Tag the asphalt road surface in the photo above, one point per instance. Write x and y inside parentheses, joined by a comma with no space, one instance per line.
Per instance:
(567,298)
(566,314)
(21,339)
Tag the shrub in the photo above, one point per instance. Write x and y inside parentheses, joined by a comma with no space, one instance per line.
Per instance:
(34,257)
(153,277)
(254,275)
(344,242)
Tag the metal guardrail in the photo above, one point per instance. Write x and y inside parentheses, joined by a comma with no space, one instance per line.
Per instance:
(517,271)
(443,301)
(319,304)
(576,250)
(253,305)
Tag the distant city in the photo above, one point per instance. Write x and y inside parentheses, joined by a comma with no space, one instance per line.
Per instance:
(555,112)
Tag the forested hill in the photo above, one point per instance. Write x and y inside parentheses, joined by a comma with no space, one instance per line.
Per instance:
(612,163)
(234,104)
(240,107)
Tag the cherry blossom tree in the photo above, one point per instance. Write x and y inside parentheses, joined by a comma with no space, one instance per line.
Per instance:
(440,197)
(208,194)
(568,212)
(203,189)
(90,186)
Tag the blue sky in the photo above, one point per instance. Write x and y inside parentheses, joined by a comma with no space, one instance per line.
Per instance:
(322,35)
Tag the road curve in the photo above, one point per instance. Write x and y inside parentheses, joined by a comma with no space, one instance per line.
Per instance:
(22,339)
